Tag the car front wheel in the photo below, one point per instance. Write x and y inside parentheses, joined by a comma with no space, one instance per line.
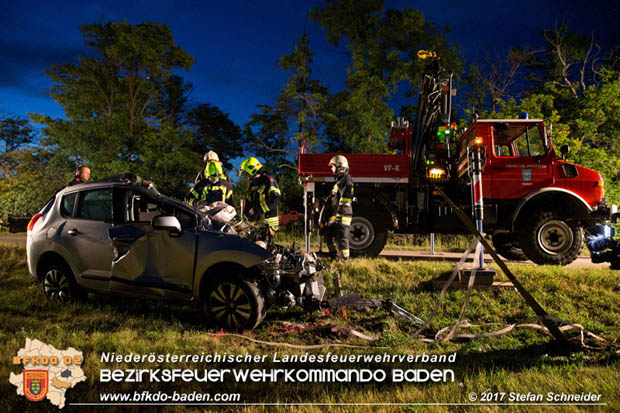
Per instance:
(234,304)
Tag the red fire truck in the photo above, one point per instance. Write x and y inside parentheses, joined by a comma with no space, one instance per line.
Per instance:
(536,205)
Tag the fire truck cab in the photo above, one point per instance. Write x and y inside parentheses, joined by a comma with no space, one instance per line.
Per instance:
(536,205)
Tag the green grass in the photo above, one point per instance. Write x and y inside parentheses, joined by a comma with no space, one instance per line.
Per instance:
(411,242)
(524,360)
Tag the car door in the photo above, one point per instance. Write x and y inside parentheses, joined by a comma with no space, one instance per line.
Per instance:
(150,262)
(519,163)
(85,235)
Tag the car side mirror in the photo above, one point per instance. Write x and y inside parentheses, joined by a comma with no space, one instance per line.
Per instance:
(564,150)
(167,223)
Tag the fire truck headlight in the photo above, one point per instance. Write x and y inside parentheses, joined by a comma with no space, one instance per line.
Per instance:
(437,173)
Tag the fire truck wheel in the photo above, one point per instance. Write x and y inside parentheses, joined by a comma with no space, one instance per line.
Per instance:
(233,304)
(365,238)
(550,239)
(507,246)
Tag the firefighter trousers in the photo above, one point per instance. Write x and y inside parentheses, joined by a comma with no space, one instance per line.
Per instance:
(337,240)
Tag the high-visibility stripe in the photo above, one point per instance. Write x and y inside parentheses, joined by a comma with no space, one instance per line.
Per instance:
(273,223)
(346,221)
(345,253)
(274,189)
(215,188)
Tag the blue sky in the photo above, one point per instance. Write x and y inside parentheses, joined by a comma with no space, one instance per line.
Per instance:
(237,43)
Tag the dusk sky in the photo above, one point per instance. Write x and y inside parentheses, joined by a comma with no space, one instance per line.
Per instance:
(237,43)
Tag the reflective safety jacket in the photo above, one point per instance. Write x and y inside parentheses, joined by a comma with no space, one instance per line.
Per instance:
(210,192)
(264,200)
(340,207)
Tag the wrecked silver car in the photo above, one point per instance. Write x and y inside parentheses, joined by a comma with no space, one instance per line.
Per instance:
(121,236)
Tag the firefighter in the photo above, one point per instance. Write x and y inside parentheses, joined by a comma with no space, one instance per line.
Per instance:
(210,156)
(339,209)
(264,198)
(212,188)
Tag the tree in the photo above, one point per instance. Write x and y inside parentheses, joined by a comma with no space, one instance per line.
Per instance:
(174,99)
(212,129)
(296,120)
(383,45)
(497,78)
(27,177)
(120,102)
(15,132)
(34,177)
(571,60)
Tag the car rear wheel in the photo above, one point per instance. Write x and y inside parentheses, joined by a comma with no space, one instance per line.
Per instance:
(59,285)
(234,304)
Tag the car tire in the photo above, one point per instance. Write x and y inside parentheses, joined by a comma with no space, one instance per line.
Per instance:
(366,238)
(59,285)
(234,304)
(550,239)
(507,246)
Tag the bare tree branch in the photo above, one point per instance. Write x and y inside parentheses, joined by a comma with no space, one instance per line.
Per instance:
(502,72)
(286,165)
(590,55)
(277,150)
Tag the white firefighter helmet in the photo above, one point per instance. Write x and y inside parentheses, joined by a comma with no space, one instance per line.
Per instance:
(340,162)
(211,156)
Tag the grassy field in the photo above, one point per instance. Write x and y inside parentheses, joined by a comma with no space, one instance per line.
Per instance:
(524,360)
(443,242)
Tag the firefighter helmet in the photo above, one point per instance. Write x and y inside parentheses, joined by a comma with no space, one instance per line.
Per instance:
(340,162)
(211,156)
(250,166)
(214,170)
